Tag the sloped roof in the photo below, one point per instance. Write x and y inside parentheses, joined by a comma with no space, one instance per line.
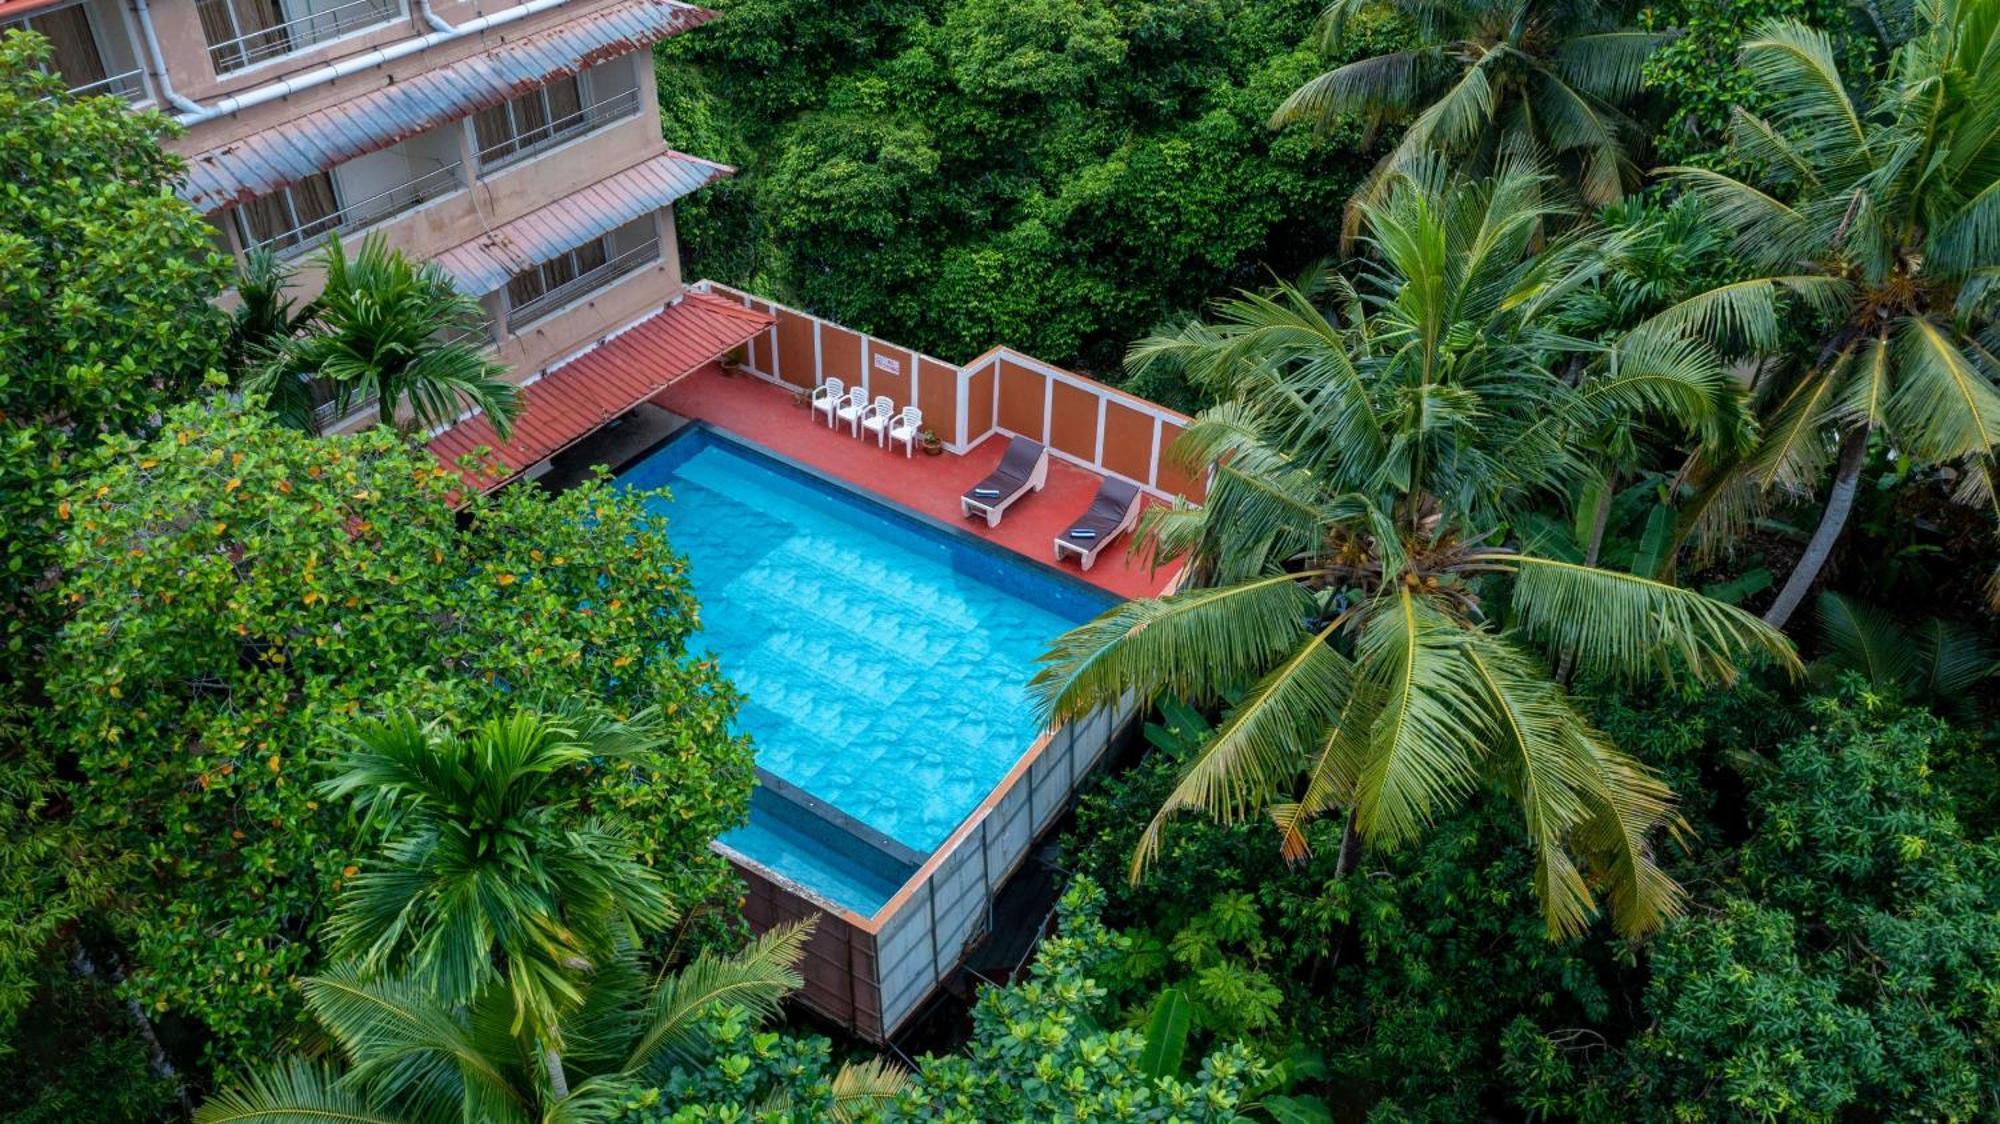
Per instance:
(485,264)
(572,400)
(275,157)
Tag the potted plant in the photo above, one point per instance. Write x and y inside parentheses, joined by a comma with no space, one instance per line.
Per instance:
(733,362)
(801,399)
(928,441)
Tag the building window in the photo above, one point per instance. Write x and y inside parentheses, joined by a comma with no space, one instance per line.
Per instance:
(539,281)
(89,49)
(543,118)
(581,270)
(528,122)
(243,33)
(290,216)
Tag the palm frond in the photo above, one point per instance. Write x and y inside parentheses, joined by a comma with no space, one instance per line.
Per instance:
(754,980)
(1631,805)
(1609,64)
(1422,750)
(1745,310)
(401,1041)
(1861,638)
(1944,407)
(861,1089)
(1194,645)
(1793,64)
(1952,658)
(1261,746)
(297,1092)
(1627,627)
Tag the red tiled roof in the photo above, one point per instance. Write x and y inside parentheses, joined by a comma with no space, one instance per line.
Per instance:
(570,401)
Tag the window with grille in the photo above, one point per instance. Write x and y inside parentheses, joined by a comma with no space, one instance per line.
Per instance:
(243,33)
(530,121)
(291,215)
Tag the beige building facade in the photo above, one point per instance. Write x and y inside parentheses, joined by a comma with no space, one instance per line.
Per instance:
(517,145)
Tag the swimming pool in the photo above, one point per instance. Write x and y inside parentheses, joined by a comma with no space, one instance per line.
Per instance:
(884,658)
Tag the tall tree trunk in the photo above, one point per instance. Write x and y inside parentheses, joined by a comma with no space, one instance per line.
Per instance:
(156,1055)
(1599,521)
(558,1080)
(1350,847)
(1839,502)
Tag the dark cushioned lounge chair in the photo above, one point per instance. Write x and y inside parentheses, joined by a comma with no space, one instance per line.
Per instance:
(1114,512)
(1024,467)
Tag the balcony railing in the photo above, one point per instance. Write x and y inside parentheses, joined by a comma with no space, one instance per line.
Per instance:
(259,44)
(540,139)
(432,185)
(583,283)
(129,86)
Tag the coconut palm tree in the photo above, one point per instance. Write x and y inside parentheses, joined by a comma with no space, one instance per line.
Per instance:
(405,1056)
(492,880)
(1873,228)
(1381,643)
(396,331)
(1489,77)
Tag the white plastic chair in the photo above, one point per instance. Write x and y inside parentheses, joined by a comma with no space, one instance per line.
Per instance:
(905,428)
(876,419)
(849,412)
(826,398)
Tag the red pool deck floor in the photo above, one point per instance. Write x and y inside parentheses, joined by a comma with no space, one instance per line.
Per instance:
(764,414)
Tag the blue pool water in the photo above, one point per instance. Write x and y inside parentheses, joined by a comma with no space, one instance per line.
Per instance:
(884,659)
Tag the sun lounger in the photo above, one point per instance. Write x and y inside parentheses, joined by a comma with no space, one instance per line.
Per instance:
(1114,512)
(1025,466)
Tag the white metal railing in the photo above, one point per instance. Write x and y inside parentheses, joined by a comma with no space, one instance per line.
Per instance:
(129,86)
(248,48)
(544,137)
(432,185)
(596,277)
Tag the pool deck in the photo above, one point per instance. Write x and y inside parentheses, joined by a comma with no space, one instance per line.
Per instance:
(764,414)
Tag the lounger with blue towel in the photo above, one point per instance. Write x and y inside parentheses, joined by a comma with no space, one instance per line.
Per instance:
(1024,468)
(1114,512)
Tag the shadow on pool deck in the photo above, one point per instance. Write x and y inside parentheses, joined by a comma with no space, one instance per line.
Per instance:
(764,414)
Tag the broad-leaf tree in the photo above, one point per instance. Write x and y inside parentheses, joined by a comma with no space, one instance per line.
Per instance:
(1380,643)
(1489,77)
(398,332)
(1872,226)
(239,592)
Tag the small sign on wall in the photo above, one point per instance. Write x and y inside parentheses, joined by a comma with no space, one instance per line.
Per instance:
(884,363)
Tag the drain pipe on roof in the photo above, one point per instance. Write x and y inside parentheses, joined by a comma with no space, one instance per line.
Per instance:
(380,56)
(159,61)
(436,21)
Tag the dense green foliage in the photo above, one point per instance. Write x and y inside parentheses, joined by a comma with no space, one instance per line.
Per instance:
(105,282)
(238,591)
(1057,176)
(1839,951)
(321,798)
(1038,1052)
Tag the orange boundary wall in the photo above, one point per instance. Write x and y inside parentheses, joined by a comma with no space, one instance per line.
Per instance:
(1003,391)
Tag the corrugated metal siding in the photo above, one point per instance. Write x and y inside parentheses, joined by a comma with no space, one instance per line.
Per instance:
(484,265)
(602,383)
(273,158)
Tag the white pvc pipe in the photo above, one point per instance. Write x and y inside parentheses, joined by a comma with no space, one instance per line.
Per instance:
(436,21)
(159,60)
(380,56)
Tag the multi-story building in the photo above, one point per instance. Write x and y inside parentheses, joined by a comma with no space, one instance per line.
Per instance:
(517,144)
